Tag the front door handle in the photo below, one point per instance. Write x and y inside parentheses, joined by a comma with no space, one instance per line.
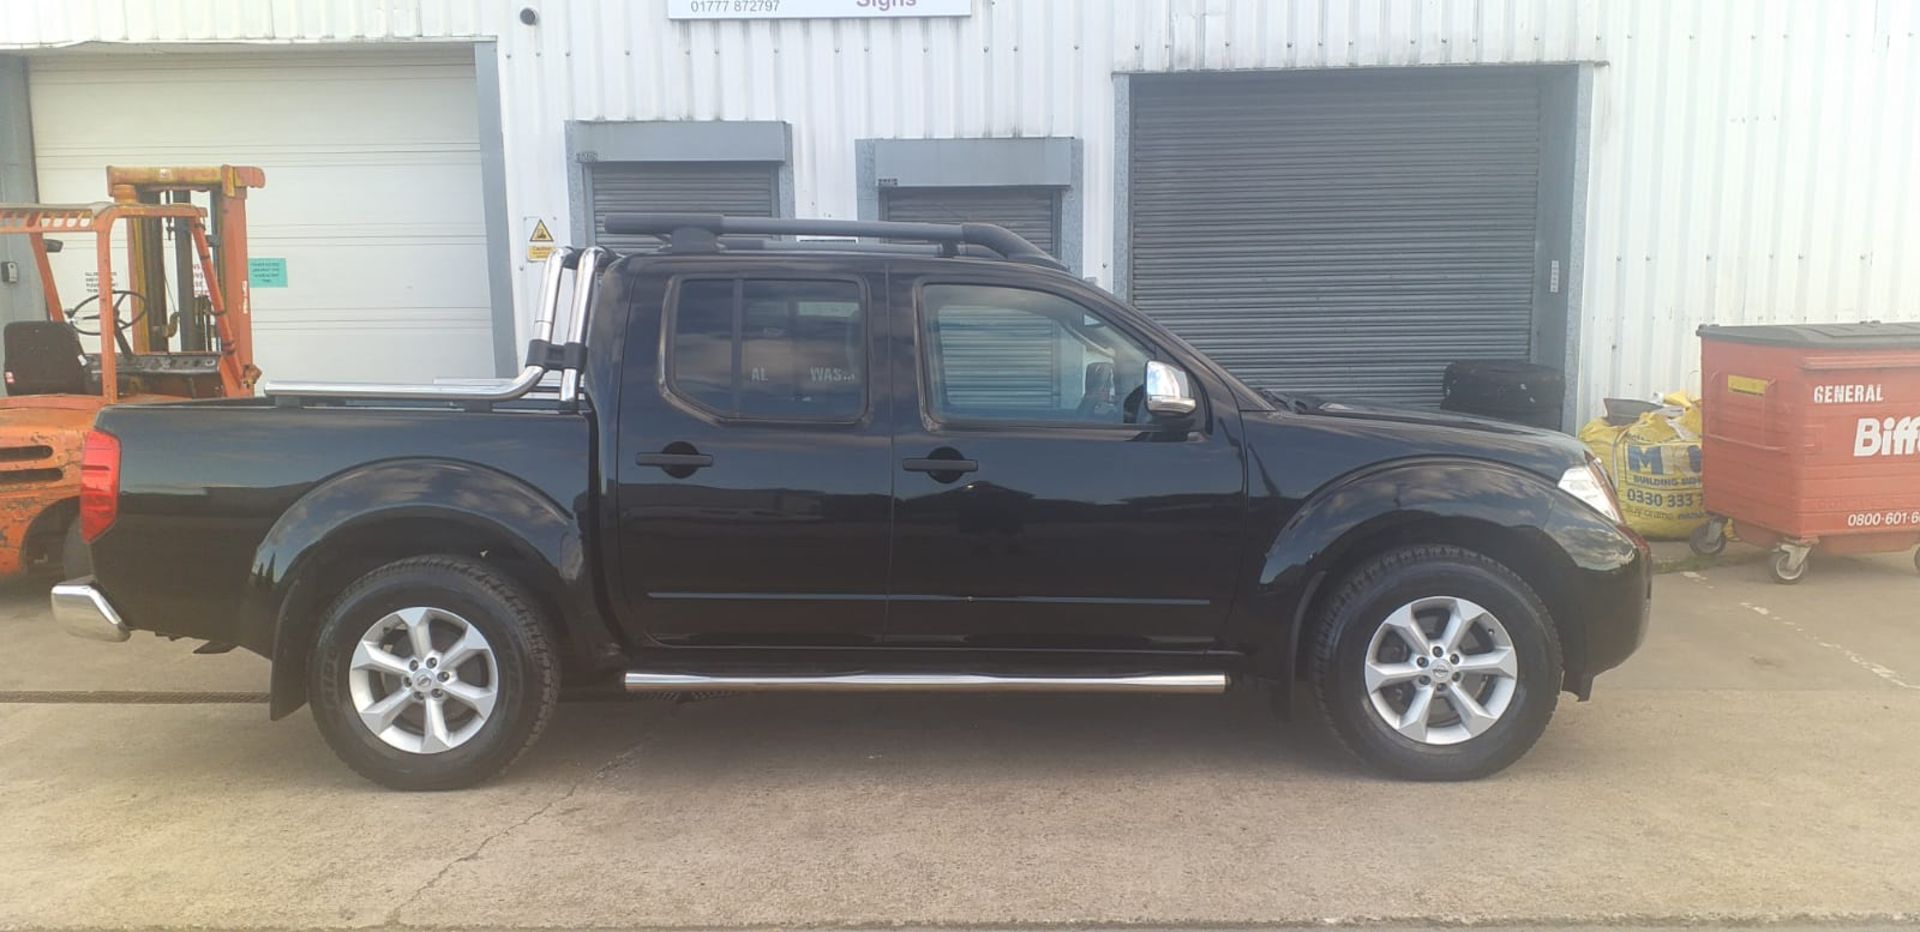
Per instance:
(679,459)
(674,460)
(944,466)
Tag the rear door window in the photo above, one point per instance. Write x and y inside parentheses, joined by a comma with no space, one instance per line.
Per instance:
(770,349)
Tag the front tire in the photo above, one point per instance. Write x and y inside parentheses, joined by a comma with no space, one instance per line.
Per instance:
(432,673)
(1436,663)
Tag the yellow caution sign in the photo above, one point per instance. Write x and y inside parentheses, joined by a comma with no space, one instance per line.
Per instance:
(539,241)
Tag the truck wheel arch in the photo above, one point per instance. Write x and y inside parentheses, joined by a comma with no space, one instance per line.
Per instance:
(1488,508)
(377,514)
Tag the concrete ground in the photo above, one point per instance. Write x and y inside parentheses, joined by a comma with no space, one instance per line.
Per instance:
(1755,763)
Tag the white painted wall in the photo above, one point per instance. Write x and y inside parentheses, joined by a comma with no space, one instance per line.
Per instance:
(1750,161)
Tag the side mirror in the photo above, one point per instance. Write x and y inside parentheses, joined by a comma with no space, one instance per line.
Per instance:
(1168,392)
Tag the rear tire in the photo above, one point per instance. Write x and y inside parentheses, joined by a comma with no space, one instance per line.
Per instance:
(1465,712)
(432,673)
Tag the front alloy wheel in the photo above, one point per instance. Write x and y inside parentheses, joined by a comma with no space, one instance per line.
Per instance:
(1441,670)
(1436,663)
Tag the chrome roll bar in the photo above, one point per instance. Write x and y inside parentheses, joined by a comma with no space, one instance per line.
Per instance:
(585,264)
(590,259)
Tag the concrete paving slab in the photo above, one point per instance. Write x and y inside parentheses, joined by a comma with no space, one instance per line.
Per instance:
(1743,767)
(1730,629)
(816,810)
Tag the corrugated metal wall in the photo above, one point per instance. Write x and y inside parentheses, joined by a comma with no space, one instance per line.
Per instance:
(1750,160)
(1344,233)
(1030,212)
(741,188)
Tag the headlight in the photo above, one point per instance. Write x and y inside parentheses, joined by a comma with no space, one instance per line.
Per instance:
(1590,484)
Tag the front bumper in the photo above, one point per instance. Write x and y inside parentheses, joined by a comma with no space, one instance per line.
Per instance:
(84,611)
(1604,598)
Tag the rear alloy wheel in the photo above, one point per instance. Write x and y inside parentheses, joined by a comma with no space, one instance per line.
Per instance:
(1436,663)
(432,673)
(416,696)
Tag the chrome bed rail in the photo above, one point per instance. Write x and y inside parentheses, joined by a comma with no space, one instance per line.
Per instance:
(585,265)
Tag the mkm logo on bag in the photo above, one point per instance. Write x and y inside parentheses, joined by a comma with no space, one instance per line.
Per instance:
(1652,460)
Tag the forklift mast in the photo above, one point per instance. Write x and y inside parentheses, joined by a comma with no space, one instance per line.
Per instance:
(226,187)
(215,354)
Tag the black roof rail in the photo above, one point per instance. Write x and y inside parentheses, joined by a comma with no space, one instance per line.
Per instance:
(701,232)
(948,250)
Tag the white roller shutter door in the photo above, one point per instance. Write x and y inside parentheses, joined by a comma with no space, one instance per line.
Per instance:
(373,195)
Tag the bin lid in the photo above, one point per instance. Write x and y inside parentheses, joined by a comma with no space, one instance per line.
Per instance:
(1869,335)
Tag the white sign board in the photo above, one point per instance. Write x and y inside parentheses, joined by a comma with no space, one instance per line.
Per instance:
(815,9)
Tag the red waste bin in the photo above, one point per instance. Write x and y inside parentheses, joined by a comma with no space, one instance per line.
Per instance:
(1812,439)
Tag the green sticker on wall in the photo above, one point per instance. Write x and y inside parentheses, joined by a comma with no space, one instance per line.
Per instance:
(267,273)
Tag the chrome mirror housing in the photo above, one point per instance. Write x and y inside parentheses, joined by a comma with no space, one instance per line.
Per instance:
(1168,392)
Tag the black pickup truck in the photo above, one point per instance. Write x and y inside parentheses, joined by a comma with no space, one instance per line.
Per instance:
(757,464)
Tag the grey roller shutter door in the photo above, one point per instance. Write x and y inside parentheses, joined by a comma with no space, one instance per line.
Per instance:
(745,189)
(1031,212)
(1346,235)
(994,358)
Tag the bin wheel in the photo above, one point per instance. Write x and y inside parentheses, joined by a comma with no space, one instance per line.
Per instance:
(1787,568)
(1916,561)
(1709,539)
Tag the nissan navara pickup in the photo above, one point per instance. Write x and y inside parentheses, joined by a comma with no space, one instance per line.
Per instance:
(930,459)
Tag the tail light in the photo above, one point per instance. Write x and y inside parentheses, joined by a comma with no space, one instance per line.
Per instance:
(99,484)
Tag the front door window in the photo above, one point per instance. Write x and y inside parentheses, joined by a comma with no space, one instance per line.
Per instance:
(1012,355)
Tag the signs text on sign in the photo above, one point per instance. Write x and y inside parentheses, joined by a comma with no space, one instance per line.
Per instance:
(815,9)
(1848,394)
(267,273)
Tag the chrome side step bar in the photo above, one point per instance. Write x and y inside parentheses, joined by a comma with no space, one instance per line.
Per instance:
(640,681)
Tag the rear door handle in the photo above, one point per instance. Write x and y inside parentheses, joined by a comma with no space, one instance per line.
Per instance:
(929,464)
(674,460)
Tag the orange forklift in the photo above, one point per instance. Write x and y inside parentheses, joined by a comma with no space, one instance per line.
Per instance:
(180,329)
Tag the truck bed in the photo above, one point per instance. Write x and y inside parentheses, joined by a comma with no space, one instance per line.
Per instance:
(206,485)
